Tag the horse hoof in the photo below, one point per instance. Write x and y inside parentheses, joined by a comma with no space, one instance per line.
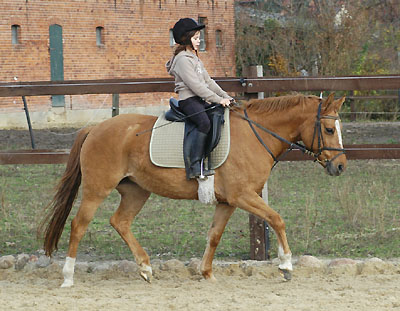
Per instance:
(208,276)
(211,279)
(286,274)
(146,273)
(67,283)
(145,276)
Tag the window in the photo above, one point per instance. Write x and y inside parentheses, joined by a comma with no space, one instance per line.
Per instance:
(99,36)
(15,34)
(203,34)
(218,38)
(171,38)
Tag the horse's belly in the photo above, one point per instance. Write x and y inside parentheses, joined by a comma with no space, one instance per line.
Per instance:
(170,183)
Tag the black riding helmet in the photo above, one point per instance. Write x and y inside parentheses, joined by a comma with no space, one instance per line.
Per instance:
(183,26)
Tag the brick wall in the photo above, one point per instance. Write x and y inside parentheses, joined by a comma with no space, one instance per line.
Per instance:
(136,43)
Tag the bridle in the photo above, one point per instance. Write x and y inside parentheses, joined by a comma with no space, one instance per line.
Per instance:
(320,138)
(317,134)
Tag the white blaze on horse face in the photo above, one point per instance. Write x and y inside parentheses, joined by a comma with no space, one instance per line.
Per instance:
(339,132)
(68,272)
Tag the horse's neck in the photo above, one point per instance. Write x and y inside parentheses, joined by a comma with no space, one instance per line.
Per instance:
(284,123)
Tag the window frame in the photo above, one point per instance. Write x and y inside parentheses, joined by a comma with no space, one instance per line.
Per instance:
(202,20)
(218,38)
(15,34)
(171,38)
(100,36)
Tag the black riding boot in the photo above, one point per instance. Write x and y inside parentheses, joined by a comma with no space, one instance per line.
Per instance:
(197,157)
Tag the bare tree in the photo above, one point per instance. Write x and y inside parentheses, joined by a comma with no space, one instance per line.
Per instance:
(324,37)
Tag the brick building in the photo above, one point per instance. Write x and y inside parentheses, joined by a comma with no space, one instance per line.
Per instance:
(47,40)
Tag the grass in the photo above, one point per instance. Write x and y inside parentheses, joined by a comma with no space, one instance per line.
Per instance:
(354,215)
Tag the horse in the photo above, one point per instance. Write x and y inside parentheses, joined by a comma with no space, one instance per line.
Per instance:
(112,155)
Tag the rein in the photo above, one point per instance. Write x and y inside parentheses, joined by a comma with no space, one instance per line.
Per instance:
(292,145)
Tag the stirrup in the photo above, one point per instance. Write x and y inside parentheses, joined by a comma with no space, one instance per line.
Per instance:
(202,175)
(205,173)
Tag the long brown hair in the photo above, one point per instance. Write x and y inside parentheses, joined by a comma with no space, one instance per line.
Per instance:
(186,42)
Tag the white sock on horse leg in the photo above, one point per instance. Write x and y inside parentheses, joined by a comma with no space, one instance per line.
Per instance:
(68,272)
(285,259)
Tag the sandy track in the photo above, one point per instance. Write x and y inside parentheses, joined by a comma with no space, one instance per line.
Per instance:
(362,286)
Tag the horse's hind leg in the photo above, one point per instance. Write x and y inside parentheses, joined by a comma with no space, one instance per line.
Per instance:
(221,216)
(90,202)
(132,200)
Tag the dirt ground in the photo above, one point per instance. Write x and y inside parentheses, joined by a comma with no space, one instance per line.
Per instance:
(353,133)
(362,286)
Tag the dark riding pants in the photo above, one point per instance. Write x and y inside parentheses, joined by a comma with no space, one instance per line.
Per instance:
(195,105)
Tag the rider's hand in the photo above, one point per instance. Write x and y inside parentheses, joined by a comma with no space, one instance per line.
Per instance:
(225,102)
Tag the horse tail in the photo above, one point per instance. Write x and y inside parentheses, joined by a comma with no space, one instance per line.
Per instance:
(66,191)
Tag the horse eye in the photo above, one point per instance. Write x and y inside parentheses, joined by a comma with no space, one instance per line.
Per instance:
(329,130)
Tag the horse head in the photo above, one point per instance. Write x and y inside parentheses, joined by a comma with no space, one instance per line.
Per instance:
(321,134)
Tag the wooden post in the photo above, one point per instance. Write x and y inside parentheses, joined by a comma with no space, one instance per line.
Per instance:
(253,72)
(257,238)
(259,68)
(259,233)
(398,100)
(259,230)
(28,119)
(353,116)
(115,105)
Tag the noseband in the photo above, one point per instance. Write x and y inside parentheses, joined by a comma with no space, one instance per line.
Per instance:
(317,134)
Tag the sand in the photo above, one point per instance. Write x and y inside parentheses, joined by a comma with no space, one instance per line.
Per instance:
(362,285)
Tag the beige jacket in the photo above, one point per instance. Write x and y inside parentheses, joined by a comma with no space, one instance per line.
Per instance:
(192,79)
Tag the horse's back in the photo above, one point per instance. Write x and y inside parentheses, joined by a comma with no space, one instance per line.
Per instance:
(125,121)
(112,140)
(115,129)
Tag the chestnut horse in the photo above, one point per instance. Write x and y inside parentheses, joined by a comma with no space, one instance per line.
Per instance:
(111,156)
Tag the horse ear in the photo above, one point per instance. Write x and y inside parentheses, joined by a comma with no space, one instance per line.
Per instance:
(338,103)
(327,104)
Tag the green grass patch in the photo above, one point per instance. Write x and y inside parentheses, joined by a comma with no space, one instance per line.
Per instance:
(354,215)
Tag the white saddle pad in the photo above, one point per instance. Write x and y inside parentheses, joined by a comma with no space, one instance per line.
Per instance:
(166,143)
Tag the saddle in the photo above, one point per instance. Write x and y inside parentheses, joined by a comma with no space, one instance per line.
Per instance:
(166,143)
(217,120)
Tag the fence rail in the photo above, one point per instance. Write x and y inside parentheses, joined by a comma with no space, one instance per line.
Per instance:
(233,84)
(46,156)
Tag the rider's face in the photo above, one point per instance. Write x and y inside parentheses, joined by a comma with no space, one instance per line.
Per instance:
(196,40)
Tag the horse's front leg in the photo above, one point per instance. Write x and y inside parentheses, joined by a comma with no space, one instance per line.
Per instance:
(254,204)
(221,216)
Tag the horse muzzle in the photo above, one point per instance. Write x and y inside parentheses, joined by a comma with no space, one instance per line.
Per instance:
(335,169)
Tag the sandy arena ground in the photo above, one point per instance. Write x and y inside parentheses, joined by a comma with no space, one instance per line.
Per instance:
(362,286)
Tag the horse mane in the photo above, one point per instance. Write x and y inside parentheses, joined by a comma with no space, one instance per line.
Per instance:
(274,104)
